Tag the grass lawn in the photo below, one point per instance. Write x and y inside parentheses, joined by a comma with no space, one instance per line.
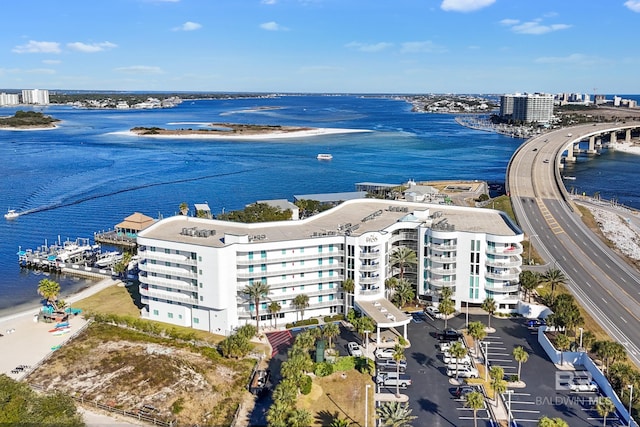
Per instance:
(339,395)
(112,300)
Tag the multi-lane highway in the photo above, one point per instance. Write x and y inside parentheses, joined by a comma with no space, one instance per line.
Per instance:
(602,282)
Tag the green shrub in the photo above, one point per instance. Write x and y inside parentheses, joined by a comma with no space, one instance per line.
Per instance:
(345,363)
(305,384)
(334,318)
(323,369)
(513,378)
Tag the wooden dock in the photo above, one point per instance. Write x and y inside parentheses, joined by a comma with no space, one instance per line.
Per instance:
(115,238)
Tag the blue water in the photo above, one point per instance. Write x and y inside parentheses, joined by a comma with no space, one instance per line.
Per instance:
(84,177)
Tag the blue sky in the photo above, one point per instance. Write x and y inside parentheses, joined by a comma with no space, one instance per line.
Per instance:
(355,46)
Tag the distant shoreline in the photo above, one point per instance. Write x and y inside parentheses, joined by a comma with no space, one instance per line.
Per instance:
(246,132)
(29,128)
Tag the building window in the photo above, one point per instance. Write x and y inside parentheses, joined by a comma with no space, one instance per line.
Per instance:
(284,277)
(330,260)
(200,258)
(200,284)
(331,248)
(331,285)
(284,252)
(196,320)
(319,286)
(320,298)
(301,262)
(301,250)
(200,271)
(302,287)
(330,273)
(156,313)
(319,273)
(320,249)
(250,255)
(180,316)
(331,297)
(263,254)
(251,269)
(263,306)
(170,315)
(201,298)
(284,290)
(319,261)
(284,264)
(263,267)
(301,275)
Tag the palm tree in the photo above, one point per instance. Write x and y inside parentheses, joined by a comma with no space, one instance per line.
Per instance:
(300,302)
(446,292)
(329,331)
(477,332)
(390,285)
(49,290)
(521,356)
(395,414)
(403,293)
(277,415)
(498,383)
(403,256)
(184,208)
(256,292)
(299,418)
(398,355)
(562,343)
(340,422)
(553,277)
(489,305)
(528,282)
(274,308)
(475,401)
(605,406)
(446,306)
(348,285)
(610,352)
(457,350)
(552,422)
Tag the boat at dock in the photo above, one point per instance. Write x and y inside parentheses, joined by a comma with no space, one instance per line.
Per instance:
(324,156)
(108,259)
(11,214)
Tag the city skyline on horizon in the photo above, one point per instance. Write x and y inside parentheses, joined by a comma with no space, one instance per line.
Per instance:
(323,46)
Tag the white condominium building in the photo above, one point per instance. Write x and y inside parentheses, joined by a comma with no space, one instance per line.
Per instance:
(528,107)
(193,270)
(9,99)
(35,96)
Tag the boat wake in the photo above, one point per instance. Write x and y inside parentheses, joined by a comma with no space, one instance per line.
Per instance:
(80,200)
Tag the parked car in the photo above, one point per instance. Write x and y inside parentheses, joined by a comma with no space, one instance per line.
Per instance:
(433,311)
(449,360)
(461,391)
(445,346)
(534,323)
(452,366)
(449,334)
(584,386)
(463,372)
(392,379)
(384,353)
(385,365)
(354,349)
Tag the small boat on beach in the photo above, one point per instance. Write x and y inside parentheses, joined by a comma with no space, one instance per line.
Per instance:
(11,214)
(324,156)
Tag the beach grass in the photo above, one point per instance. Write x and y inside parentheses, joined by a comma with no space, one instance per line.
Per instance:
(112,300)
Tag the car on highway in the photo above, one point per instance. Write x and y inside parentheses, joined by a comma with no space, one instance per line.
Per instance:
(449,334)
(464,372)
(584,386)
(354,349)
(385,365)
(384,353)
(546,161)
(393,379)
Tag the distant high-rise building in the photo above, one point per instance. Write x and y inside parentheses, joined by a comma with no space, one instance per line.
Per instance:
(35,96)
(9,99)
(536,107)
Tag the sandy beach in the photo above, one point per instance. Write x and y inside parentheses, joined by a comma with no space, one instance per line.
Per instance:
(627,147)
(261,136)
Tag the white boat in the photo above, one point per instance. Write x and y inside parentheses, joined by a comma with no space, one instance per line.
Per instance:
(324,156)
(108,259)
(11,214)
(570,178)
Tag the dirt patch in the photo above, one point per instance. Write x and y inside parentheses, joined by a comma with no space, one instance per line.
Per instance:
(160,378)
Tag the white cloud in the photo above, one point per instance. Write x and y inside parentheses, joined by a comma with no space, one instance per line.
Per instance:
(578,59)
(464,5)
(90,48)
(633,5)
(51,61)
(363,47)
(417,47)
(273,26)
(532,27)
(140,69)
(38,47)
(268,2)
(188,26)
(40,71)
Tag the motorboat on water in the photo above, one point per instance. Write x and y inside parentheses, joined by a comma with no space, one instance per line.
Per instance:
(108,259)
(570,178)
(11,214)
(324,156)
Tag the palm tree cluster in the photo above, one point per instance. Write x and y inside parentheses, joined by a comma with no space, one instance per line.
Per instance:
(395,414)
(566,314)
(552,422)
(610,352)
(552,278)
(238,344)
(403,293)
(283,411)
(478,332)
(360,323)
(446,305)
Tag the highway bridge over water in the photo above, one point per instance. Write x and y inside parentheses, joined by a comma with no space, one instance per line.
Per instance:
(602,282)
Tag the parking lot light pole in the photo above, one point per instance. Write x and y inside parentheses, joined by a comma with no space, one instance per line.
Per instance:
(630,402)
(486,359)
(581,339)
(366,405)
(366,339)
(509,393)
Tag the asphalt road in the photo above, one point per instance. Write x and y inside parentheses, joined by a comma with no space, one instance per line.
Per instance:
(602,282)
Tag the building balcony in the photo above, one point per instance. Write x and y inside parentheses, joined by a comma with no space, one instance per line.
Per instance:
(376,290)
(258,273)
(299,256)
(441,259)
(369,255)
(163,257)
(169,283)
(244,313)
(506,262)
(168,296)
(510,275)
(167,271)
(435,247)
(369,280)
(439,283)
(513,249)
(500,288)
(442,271)
(375,267)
